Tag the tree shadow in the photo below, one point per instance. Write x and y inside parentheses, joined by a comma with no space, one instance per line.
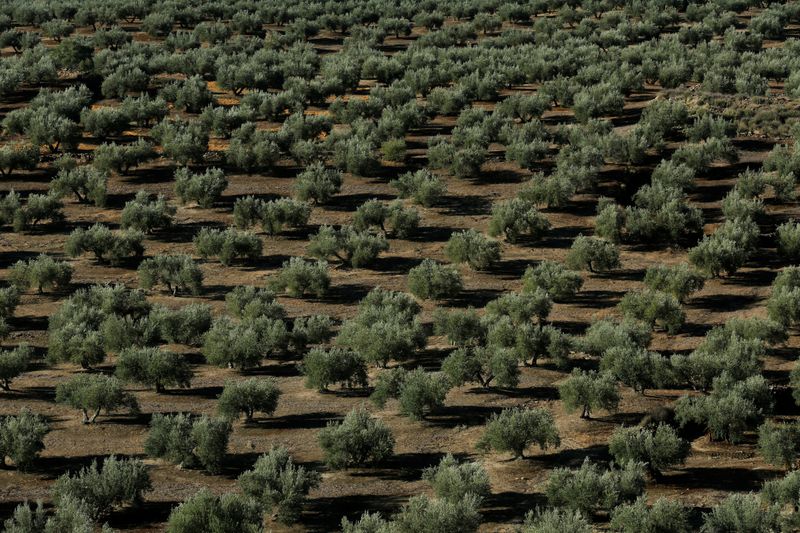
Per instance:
(315,420)
(452,416)
(505,507)
(325,514)
(402,466)
(467,205)
(726,478)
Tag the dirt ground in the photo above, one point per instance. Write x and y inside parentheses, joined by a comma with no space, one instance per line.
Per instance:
(711,472)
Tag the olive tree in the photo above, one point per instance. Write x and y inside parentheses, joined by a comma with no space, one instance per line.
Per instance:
(591,488)
(386,326)
(91,393)
(205,189)
(358,440)
(392,219)
(778,443)
(187,441)
(654,308)
(153,367)
(177,272)
(247,397)
(788,237)
(22,438)
(473,248)
(418,392)
(515,429)
(18,156)
(596,255)
(680,280)
(229,510)
(43,272)
(659,448)
(123,157)
(732,407)
(182,141)
(637,367)
(483,365)
(228,245)
(742,512)
(422,186)
(347,244)
(554,520)
(431,280)
(557,280)
(278,484)
(323,368)
(299,277)
(244,344)
(664,515)
(13,362)
(101,488)
(106,245)
(589,391)
(145,215)
(317,183)
(453,480)
(517,218)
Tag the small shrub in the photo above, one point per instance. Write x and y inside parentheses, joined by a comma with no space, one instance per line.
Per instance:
(453,481)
